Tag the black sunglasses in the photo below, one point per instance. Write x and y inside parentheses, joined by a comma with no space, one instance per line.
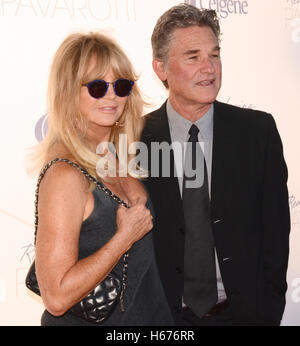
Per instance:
(98,87)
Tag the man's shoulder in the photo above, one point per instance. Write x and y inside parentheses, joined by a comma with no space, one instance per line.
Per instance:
(243,120)
(238,114)
(226,109)
(226,115)
(155,120)
(157,113)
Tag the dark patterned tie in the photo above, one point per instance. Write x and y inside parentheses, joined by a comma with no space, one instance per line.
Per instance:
(200,283)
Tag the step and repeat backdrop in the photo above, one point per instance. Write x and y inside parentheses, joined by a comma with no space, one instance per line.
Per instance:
(261,70)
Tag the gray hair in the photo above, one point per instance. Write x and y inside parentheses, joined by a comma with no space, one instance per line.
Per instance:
(180,16)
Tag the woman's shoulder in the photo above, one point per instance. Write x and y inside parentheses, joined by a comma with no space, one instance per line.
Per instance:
(63,176)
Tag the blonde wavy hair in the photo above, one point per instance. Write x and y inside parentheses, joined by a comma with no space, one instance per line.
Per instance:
(67,126)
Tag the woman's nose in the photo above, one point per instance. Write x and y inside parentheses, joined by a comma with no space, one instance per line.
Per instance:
(110,94)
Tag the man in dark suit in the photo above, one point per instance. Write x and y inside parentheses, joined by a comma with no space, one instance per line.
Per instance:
(221,248)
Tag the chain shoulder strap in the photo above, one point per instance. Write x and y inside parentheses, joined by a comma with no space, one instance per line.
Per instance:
(101,187)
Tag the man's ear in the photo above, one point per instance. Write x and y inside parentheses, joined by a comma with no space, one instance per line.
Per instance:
(160,69)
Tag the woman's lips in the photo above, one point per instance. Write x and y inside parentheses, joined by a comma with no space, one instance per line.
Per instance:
(108,109)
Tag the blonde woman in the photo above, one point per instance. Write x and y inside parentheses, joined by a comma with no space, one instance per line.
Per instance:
(82,232)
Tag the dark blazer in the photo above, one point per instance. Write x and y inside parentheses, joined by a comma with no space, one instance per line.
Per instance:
(250,213)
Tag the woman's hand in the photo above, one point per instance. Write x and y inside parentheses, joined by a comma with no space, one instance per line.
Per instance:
(134,223)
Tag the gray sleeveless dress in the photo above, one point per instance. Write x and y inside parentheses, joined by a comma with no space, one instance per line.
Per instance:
(144,299)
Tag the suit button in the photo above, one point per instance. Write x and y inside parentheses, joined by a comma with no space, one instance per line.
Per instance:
(177,309)
(178,270)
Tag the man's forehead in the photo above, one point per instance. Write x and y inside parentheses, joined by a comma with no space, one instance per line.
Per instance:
(194,37)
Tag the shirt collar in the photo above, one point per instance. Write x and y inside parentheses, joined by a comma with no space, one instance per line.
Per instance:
(179,126)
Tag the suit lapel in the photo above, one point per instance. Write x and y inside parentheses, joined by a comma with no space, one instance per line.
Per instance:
(160,129)
(160,132)
(220,179)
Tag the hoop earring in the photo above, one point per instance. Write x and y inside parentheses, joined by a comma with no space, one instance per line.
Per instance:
(116,123)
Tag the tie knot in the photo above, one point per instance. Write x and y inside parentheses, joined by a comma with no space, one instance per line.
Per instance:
(193,132)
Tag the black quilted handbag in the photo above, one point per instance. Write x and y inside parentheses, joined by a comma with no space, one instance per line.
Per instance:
(97,306)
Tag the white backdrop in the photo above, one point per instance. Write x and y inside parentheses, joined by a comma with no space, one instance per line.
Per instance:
(261,70)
